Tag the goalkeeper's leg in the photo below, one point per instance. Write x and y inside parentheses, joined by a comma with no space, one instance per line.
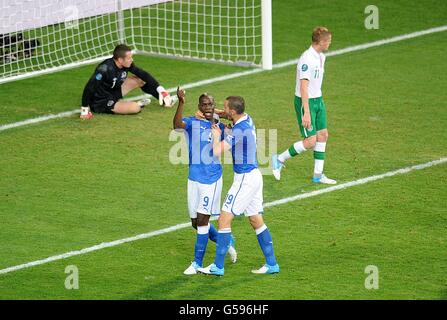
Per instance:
(130,107)
(158,92)
(127,107)
(131,83)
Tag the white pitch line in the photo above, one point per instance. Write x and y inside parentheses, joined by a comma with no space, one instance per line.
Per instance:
(96,247)
(38,119)
(355,183)
(245,73)
(188,224)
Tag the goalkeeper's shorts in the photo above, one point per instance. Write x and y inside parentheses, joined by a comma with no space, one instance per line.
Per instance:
(107,104)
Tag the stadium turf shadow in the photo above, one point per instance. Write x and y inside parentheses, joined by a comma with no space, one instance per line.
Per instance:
(199,287)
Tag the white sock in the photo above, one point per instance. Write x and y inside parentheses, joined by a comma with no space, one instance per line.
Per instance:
(203,229)
(284,156)
(319,164)
(261,229)
(318,168)
(297,146)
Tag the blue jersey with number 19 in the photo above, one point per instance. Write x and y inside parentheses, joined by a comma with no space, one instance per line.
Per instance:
(242,140)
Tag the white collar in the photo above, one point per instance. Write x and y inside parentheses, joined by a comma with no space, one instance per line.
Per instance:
(314,52)
(245,117)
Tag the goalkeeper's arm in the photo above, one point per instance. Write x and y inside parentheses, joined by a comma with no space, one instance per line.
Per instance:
(91,87)
(89,91)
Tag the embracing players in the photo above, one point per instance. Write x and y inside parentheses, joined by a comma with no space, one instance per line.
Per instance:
(205,175)
(245,195)
(111,81)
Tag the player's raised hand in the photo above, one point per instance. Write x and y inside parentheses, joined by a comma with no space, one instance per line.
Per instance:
(216,130)
(220,113)
(199,115)
(228,128)
(181,94)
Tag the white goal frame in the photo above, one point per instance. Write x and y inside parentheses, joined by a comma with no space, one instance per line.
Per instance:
(266,43)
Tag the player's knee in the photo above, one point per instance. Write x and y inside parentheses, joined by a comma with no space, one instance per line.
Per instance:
(140,82)
(135,109)
(224,224)
(137,82)
(309,143)
(202,220)
(132,110)
(322,136)
(126,108)
(256,221)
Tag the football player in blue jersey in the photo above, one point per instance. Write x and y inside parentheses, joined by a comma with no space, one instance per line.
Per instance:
(205,175)
(245,195)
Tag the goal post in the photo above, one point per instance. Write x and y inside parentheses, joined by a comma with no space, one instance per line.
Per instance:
(38,37)
(267,45)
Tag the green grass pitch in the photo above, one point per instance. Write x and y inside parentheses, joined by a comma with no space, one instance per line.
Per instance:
(68,184)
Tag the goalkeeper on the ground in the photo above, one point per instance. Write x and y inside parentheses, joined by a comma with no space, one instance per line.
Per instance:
(111,81)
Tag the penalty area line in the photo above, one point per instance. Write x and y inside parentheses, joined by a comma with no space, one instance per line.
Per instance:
(188,224)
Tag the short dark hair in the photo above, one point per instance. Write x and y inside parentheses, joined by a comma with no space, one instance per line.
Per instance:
(120,51)
(236,103)
(205,95)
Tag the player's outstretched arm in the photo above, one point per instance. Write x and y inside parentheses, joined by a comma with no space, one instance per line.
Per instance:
(221,113)
(178,122)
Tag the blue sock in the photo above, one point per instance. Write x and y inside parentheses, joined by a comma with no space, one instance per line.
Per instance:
(200,247)
(265,241)
(223,243)
(213,233)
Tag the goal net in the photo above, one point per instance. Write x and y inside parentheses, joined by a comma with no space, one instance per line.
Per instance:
(42,36)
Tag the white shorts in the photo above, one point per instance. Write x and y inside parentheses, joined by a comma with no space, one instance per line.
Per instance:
(204,198)
(245,195)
